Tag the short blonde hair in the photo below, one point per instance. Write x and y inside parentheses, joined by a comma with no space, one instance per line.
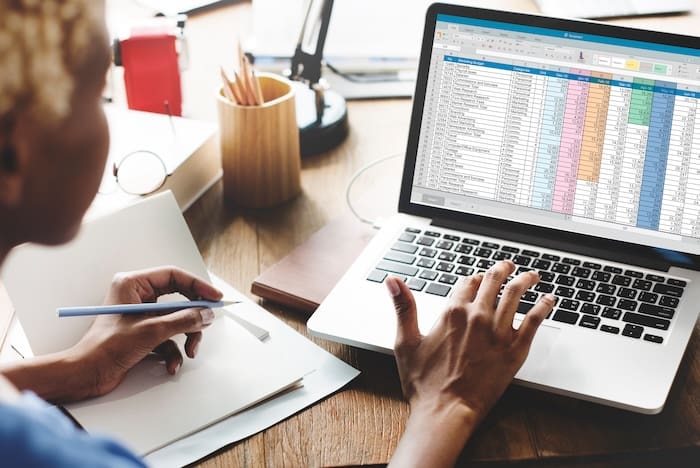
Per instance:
(42,43)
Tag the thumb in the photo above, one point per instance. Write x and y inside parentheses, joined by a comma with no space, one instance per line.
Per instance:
(406,314)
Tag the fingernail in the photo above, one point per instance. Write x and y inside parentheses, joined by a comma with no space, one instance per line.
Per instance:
(392,284)
(207,316)
(195,350)
(177,367)
(549,298)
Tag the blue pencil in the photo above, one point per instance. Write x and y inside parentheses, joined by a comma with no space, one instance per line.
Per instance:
(139,308)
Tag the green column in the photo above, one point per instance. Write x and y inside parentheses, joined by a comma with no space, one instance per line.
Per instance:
(641,100)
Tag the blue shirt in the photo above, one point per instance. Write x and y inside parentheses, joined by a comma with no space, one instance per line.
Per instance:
(34,433)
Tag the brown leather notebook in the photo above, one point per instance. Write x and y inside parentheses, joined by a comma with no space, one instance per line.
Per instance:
(302,279)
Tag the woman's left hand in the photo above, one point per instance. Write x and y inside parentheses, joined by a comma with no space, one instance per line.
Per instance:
(116,343)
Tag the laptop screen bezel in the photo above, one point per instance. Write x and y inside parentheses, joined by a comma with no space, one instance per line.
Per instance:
(454,218)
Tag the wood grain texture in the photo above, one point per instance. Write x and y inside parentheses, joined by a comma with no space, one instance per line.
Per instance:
(362,423)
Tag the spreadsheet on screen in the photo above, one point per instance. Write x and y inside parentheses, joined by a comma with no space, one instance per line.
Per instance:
(585,133)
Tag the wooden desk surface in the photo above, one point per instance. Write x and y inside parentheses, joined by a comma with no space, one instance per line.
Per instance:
(362,423)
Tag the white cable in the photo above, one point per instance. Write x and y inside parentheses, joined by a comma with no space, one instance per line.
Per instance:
(354,178)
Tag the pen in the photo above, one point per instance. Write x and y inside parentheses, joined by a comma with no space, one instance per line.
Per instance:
(139,308)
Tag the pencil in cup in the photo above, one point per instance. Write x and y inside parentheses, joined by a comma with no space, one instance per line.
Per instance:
(260,145)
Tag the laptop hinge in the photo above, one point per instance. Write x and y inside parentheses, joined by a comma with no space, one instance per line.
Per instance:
(616,251)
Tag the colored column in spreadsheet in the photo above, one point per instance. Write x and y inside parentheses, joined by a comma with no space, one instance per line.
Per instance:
(606,146)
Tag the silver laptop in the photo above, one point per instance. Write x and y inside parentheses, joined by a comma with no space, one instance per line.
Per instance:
(571,148)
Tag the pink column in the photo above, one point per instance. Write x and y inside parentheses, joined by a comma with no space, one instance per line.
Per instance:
(570,149)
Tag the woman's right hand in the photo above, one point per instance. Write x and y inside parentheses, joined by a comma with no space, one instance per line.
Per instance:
(456,373)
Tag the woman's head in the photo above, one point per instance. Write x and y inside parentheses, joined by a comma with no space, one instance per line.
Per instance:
(53,133)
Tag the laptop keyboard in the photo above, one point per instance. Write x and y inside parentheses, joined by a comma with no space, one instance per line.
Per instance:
(590,294)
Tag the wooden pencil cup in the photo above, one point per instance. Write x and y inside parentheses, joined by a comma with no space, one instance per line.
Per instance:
(260,146)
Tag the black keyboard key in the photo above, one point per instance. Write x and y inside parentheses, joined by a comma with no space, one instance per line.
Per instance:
(541,264)
(425,263)
(544,287)
(585,296)
(469,241)
(612,313)
(587,285)
(416,284)
(634,273)
(450,237)
(626,304)
(377,276)
(407,237)
(444,266)
(530,296)
(633,331)
(581,272)
(510,249)
(448,279)
(565,280)
(484,253)
(432,233)
(677,282)
(412,230)
(612,269)
(653,338)
(522,260)
(445,245)
(522,270)
(668,301)
(447,256)
(592,265)
(657,311)
(592,309)
(627,293)
(428,274)
(651,298)
(405,248)
(490,245)
(427,252)
(655,278)
(642,285)
(501,256)
(646,320)
(609,329)
(464,260)
(485,264)
(530,253)
(399,257)
(621,280)
(563,291)
(606,300)
(668,290)
(464,271)
(524,307)
(571,261)
(438,289)
(553,258)
(606,289)
(463,248)
(427,241)
(569,304)
(546,276)
(561,268)
(397,268)
(601,276)
(589,321)
(566,316)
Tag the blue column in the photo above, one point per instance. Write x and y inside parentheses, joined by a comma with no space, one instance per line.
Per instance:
(656,157)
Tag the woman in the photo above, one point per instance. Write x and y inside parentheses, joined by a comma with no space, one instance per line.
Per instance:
(53,148)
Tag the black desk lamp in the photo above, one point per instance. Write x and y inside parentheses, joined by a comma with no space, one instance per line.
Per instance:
(322,115)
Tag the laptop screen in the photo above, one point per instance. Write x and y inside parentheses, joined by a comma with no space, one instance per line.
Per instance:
(583,133)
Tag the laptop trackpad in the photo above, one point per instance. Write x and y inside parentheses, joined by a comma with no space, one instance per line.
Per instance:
(539,353)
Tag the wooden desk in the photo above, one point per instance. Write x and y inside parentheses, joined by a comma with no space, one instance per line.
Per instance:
(363,423)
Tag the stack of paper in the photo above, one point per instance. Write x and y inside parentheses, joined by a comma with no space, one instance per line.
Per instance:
(151,409)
